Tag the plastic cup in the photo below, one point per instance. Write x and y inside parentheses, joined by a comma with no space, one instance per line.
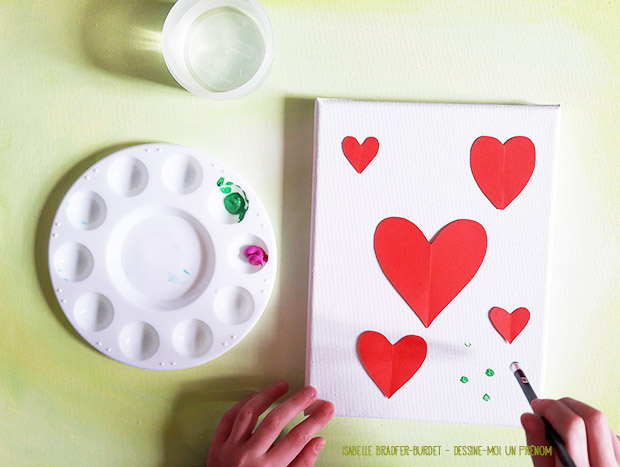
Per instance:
(218,49)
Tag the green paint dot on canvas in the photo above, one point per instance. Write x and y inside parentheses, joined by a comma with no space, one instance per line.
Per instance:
(467,344)
(489,372)
(486,397)
(220,181)
(464,379)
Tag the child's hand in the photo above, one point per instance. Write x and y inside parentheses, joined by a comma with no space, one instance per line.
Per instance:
(236,443)
(584,430)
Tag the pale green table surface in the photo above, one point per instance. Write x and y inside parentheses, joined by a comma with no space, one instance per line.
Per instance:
(81,78)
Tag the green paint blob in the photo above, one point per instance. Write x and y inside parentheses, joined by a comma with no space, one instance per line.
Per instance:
(467,344)
(489,372)
(464,379)
(486,397)
(235,204)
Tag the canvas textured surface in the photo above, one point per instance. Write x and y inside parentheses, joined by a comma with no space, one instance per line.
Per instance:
(422,173)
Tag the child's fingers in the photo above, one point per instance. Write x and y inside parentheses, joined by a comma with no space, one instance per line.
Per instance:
(289,447)
(600,447)
(312,407)
(535,436)
(616,442)
(534,429)
(269,429)
(226,423)
(251,410)
(568,424)
(309,453)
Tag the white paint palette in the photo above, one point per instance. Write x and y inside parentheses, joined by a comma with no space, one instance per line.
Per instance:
(147,257)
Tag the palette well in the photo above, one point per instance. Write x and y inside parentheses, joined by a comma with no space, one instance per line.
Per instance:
(148,257)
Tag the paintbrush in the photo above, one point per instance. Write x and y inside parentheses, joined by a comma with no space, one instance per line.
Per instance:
(553,437)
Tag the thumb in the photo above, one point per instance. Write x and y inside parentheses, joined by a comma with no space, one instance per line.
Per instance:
(535,436)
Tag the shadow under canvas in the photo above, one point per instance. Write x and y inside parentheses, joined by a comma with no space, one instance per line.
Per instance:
(286,354)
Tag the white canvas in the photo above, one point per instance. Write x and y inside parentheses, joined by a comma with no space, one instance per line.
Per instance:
(422,173)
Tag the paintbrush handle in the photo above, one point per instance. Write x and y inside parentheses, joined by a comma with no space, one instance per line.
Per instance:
(553,437)
(555,440)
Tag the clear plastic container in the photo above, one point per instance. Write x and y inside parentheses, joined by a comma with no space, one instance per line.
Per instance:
(218,49)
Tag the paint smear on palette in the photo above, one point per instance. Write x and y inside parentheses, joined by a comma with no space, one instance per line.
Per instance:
(174,279)
(236,201)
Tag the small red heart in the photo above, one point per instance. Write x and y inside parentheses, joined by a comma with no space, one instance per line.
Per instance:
(391,366)
(502,170)
(360,155)
(509,325)
(429,275)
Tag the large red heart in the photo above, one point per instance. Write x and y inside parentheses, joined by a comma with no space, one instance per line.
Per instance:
(428,275)
(360,155)
(509,325)
(391,366)
(502,170)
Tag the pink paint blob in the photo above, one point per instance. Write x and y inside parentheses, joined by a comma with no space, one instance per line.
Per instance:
(256,255)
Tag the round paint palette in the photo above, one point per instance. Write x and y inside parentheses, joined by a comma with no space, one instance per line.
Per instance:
(148,258)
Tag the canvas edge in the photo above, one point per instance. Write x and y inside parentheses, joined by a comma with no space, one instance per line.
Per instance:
(309,324)
(550,238)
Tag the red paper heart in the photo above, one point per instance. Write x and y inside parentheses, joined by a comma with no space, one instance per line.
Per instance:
(391,366)
(360,155)
(428,275)
(509,325)
(502,170)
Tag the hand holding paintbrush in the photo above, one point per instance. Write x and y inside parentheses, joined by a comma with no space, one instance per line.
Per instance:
(579,434)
